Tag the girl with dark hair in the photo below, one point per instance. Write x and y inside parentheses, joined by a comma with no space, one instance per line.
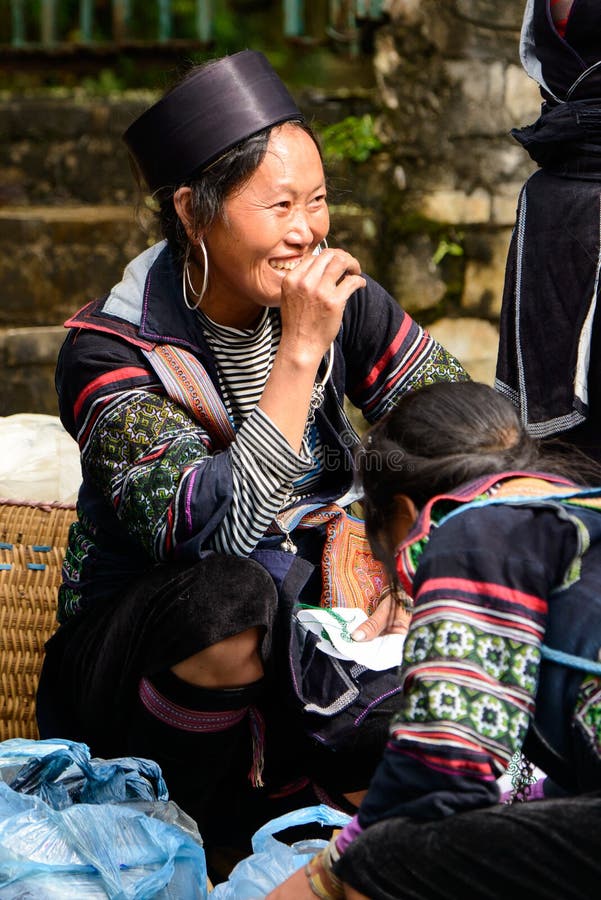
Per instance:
(206,391)
(499,545)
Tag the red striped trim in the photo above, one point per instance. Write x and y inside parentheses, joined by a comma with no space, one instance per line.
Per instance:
(485,589)
(560,13)
(86,319)
(115,377)
(456,670)
(155,454)
(440,735)
(481,770)
(484,772)
(388,354)
(489,619)
(400,374)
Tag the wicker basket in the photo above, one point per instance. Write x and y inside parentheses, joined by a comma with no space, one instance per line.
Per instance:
(33,537)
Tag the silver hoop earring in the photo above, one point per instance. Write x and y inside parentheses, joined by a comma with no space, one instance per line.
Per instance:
(187,280)
(323,245)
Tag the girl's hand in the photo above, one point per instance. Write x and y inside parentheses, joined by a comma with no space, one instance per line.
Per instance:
(390,617)
(315,879)
(314,296)
(296,887)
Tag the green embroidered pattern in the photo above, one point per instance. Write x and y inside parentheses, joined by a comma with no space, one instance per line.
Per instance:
(463,676)
(498,657)
(481,713)
(440,366)
(587,712)
(137,455)
(128,432)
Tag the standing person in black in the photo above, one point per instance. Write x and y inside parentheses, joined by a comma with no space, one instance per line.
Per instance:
(549,362)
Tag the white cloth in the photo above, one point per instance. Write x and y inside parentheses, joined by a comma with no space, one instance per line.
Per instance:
(39,460)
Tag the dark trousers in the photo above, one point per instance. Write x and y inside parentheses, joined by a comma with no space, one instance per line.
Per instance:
(541,850)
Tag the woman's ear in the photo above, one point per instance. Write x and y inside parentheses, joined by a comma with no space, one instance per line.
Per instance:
(182,201)
(403,518)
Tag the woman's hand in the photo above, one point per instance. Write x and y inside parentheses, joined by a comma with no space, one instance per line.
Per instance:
(314,296)
(390,617)
(312,303)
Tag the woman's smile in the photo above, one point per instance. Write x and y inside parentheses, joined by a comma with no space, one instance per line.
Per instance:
(268,228)
(286,265)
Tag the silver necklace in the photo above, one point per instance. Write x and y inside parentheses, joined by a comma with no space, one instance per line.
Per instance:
(317,395)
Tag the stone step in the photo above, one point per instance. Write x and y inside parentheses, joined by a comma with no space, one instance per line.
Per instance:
(61,150)
(55,259)
(27,363)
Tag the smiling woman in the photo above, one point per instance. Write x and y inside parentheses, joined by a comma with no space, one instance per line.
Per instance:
(206,391)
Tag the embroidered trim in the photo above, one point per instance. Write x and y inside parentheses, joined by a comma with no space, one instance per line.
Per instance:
(186,719)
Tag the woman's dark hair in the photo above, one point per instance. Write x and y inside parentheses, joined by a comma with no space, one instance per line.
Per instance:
(444,435)
(214,183)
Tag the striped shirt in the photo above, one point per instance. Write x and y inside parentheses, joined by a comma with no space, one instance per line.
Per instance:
(244,360)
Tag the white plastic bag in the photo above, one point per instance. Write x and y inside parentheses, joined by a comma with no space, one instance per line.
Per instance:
(39,460)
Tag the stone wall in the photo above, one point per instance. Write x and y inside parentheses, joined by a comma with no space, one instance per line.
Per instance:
(451,87)
(67,227)
(429,216)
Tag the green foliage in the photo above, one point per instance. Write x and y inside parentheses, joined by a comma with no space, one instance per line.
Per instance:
(446,248)
(104,85)
(353,138)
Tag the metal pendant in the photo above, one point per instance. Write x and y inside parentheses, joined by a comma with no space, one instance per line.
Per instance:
(288,545)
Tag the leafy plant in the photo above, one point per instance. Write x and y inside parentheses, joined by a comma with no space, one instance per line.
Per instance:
(105,84)
(352,138)
(446,248)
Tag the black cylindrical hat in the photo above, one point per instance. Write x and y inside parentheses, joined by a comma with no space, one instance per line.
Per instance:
(207,114)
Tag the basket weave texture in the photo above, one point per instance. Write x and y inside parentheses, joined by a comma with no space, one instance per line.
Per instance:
(33,538)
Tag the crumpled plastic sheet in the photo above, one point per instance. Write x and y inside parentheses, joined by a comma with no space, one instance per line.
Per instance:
(126,844)
(272,861)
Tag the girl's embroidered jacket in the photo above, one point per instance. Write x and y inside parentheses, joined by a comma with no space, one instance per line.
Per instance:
(156,485)
(493,580)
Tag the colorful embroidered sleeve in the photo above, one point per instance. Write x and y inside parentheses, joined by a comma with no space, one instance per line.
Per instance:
(155,465)
(471,660)
(387,353)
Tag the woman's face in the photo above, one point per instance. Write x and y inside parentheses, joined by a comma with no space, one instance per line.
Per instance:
(268,227)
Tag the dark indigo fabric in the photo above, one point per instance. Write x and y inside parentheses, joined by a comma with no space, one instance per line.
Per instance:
(542,850)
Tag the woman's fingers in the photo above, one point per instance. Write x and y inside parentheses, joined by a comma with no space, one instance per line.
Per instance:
(322,275)
(314,296)
(390,617)
(376,623)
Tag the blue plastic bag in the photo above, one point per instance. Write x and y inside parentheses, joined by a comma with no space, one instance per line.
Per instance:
(62,773)
(272,861)
(52,845)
